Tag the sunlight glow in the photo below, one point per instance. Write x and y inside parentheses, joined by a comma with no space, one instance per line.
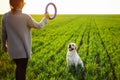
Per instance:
(68,6)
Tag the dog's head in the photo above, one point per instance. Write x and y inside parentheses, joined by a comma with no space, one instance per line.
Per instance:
(72,47)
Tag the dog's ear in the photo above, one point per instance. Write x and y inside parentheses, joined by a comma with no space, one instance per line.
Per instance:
(75,47)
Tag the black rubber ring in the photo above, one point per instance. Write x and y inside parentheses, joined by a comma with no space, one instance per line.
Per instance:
(51,17)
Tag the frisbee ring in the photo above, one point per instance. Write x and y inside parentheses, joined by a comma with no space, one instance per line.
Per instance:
(46,10)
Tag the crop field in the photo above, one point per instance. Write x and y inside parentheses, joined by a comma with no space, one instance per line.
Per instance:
(98,44)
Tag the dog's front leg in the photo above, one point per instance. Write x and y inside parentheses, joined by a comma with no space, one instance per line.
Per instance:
(68,64)
(67,67)
(82,66)
(76,64)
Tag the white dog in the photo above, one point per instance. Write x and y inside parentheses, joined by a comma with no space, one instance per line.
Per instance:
(72,57)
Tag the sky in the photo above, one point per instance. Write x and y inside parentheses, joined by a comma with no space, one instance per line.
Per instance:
(67,6)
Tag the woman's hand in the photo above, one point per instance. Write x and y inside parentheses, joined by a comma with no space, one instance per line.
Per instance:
(47,15)
(4,48)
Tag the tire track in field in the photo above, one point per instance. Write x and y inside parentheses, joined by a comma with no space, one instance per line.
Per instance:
(87,50)
(80,44)
(109,59)
(88,39)
(81,41)
(88,31)
(97,53)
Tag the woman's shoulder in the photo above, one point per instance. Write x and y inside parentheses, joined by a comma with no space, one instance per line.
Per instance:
(26,15)
(5,15)
(23,15)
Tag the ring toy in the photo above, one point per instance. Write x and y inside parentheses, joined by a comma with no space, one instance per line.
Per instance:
(46,10)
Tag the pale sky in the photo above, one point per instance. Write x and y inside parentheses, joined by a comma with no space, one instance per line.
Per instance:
(67,6)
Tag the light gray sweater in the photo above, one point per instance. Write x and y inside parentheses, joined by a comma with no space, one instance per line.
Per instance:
(16,33)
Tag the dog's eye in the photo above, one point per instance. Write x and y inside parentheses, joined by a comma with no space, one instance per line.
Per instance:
(69,46)
(72,44)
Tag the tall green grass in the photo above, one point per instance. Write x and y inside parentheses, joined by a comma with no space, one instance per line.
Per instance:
(97,39)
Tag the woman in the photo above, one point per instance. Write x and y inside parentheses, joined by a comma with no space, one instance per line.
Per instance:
(16,37)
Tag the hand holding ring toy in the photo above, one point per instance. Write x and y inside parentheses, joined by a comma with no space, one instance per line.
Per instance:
(46,10)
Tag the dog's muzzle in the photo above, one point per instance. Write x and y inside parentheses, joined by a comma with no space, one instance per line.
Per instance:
(70,48)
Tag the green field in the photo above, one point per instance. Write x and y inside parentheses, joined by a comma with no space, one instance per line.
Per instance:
(98,41)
